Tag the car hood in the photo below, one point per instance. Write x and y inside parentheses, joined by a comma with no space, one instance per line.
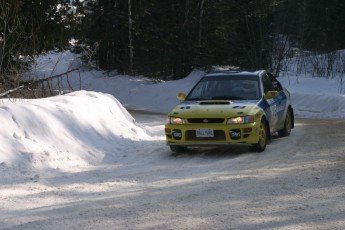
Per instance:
(215,109)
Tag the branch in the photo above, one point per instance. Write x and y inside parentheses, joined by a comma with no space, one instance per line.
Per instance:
(26,83)
(48,78)
(11,91)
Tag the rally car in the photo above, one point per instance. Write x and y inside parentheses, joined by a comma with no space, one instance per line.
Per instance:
(230,107)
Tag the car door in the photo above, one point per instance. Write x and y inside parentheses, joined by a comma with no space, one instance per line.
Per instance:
(275,106)
(282,101)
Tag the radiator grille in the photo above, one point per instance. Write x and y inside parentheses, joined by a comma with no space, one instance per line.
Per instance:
(206,120)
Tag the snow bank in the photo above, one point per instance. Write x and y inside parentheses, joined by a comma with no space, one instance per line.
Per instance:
(314,97)
(160,97)
(77,129)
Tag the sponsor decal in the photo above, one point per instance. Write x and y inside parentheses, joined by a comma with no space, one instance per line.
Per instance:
(235,134)
(177,134)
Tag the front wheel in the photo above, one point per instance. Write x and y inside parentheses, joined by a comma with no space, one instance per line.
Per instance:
(177,149)
(261,145)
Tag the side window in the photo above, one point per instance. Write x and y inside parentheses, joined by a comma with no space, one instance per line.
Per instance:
(277,85)
(267,83)
(275,82)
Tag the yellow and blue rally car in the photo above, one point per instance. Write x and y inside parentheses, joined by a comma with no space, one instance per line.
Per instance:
(230,107)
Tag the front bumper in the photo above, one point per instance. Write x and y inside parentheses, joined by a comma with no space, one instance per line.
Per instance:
(223,134)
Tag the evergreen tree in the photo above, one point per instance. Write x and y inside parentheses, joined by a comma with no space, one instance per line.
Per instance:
(170,38)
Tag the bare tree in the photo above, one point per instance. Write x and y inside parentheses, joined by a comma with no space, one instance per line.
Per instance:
(281,49)
(9,39)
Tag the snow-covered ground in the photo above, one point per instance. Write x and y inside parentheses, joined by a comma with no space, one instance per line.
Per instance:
(45,141)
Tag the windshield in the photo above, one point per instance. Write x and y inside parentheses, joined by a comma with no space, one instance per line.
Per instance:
(226,88)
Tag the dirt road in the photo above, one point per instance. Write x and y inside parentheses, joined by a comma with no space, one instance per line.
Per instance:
(297,183)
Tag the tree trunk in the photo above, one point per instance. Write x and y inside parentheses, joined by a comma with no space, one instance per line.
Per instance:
(200,23)
(130,37)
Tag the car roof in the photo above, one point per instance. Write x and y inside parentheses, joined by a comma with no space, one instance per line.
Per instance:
(235,73)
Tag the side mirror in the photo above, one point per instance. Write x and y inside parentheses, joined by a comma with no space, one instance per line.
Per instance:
(271,94)
(181,96)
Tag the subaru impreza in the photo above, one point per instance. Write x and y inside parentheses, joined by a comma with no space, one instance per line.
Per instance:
(230,107)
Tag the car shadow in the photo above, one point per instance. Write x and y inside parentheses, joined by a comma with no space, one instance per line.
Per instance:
(215,152)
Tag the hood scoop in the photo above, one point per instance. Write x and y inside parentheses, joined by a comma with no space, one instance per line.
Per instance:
(239,107)
(215,103)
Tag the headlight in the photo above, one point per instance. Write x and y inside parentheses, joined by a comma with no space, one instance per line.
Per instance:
(241,120)
(175,120)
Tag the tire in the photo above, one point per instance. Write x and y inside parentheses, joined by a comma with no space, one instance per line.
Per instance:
(263,137)
(287,125)
(178,149)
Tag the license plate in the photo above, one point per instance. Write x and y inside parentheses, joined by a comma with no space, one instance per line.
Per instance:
(204,133)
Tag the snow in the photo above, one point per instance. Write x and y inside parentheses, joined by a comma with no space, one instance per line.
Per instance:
(66,131)
(315,97)
(91,129)
(312,97)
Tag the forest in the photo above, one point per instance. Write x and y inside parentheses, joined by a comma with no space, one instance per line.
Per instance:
(167,39)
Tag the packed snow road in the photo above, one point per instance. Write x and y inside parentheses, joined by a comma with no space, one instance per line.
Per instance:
(297,183)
